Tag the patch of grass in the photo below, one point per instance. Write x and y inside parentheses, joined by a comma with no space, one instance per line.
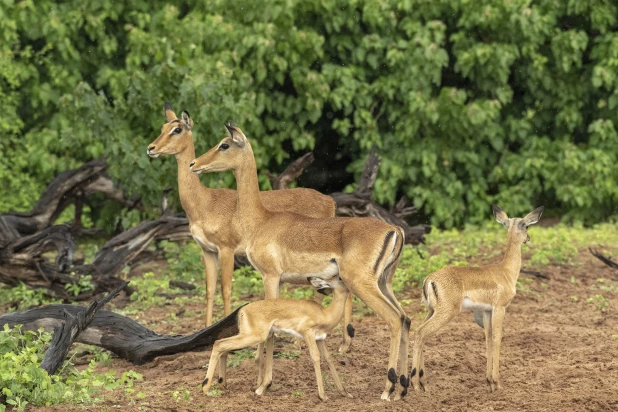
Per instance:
(182,396)
(558,244)
(23,382)
(235,358)
(601,303)
(297,394)
(24,298)
(288,355)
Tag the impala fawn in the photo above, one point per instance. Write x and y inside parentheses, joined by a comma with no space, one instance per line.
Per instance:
(305,319)
(485,290)
(286,247)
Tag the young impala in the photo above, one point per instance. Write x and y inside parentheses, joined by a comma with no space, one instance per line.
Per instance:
(301,318)
(286,247)
(485,290)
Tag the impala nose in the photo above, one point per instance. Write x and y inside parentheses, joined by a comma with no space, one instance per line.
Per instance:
(191,164)
(151,148)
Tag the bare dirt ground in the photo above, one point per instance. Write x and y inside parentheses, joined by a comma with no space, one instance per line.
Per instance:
(559,353)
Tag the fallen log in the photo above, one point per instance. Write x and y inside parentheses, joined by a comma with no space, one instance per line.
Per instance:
(23,260)
(121,335)
(69,331)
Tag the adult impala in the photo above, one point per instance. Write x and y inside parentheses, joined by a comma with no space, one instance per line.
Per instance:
(286,247)
(212,213)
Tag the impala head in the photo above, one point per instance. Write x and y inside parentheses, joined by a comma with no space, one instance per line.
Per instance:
(328,286)
(227,155)
(518,225)
(175,135)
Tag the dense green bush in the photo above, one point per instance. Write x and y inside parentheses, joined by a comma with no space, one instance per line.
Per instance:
(469,102)
(22,382)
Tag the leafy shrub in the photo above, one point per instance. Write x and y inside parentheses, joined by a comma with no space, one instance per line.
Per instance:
(23,382)
(469,102)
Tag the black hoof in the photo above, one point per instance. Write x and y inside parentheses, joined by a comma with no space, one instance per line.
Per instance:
(413,373)
(351,331)
(421,373)
(204,382)
(220,380)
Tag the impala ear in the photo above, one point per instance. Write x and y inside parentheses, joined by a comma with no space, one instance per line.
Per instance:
(501,216)
(168,112)
(186,119)
(236,134)
(318,283)
(534,216)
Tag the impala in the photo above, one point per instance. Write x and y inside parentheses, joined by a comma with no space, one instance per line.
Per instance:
(286,247)
(485,290)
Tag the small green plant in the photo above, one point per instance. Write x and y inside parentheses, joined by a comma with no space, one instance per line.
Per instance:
(235,358)
(23,382)
(184,396)
(83,284)
(601,302)
(297,394)
(288,355)
(25,297)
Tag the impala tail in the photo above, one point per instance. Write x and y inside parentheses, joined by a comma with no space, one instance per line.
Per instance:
(226,327)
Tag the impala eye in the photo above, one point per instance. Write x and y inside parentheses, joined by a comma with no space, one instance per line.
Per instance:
(224,146)
(177,130)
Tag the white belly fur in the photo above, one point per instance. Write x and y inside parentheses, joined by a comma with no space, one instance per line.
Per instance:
(318,336)
(330,270)
(469,305)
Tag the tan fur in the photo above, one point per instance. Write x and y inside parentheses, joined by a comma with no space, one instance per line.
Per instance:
(291,248)
(260,320)
(213,215)
(485,290)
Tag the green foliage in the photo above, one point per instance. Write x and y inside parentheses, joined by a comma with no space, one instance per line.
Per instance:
(22,297)
(553,245)
(469,102)
(235,358)
(23,382)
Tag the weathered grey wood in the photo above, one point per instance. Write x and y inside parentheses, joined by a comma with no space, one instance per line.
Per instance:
(122,335)
(69,331)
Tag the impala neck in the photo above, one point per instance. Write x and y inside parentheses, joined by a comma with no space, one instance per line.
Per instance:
(189,184)
(251,209)
(512,256)
(334,311)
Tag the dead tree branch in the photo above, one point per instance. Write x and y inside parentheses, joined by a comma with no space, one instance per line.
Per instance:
(360,204)
(603,258)
(292,172)
(120,334)
(69,331)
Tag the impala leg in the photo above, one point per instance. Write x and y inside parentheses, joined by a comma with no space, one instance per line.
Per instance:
(348,329)
(422,353)
(404,380)
(486,316)
(210,265)
(226,263)
(259,360)
(497,318)
(373,297)
(222,347)
(271,291)
(315,358)
(440,317)
(331,366)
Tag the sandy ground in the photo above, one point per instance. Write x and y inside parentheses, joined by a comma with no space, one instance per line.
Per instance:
(559,353)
